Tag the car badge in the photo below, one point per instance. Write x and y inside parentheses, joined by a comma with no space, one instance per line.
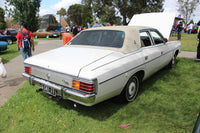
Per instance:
(48,76)
(64,81)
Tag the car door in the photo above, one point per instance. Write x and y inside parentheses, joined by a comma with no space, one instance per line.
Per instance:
(161,46)
(151,53)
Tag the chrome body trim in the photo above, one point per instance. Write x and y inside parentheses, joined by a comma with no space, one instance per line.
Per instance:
(64,92)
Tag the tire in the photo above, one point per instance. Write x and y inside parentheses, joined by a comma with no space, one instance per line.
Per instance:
(47,36)
(9,41)
(173,61)
(131,89)
(36,36)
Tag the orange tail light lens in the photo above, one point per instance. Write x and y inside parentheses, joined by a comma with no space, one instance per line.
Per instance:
(86,87)
(76,84)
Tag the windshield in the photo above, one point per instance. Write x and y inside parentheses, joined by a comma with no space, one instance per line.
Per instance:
(104,38)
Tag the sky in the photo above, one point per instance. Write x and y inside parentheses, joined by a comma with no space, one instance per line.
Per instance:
(52,6)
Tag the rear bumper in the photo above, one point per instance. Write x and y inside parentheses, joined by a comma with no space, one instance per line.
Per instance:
(64,92)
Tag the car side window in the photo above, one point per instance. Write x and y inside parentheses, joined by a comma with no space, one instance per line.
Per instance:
(156,37)
(145,39)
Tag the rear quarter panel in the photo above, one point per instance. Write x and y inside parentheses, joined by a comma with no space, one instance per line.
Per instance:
(113,76)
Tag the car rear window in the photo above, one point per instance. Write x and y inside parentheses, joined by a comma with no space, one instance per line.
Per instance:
(104,38)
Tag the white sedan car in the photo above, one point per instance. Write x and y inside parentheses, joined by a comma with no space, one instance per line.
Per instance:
(101,63)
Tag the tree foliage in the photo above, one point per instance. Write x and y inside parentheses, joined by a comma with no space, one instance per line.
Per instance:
(62,12)
(86,15)
(126,8)
(109,16)
(187,7)
(24,11)
(79,14)
(2,22)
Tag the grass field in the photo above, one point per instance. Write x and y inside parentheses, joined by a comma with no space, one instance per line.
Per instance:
(11,52)
(168,102)
(188,42)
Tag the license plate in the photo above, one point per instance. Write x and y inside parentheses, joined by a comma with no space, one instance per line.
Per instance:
(49,90)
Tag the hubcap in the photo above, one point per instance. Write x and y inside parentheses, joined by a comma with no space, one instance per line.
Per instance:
(9,42)
(132,89)
(173,60)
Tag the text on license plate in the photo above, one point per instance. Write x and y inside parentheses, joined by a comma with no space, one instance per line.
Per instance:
(49,90)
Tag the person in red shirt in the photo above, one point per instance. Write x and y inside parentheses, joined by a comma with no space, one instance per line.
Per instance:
(19,40)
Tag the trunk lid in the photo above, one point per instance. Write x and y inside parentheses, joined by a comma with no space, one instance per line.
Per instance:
(69,60)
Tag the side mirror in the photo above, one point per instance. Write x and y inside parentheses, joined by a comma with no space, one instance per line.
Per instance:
(165,39)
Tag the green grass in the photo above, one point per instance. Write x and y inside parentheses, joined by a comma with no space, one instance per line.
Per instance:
(188,42)
(168,102)
(11,52)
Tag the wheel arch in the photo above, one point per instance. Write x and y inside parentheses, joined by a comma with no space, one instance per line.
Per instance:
(140,75)
(176,52)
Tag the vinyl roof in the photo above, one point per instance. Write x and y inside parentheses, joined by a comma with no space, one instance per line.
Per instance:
(131,40)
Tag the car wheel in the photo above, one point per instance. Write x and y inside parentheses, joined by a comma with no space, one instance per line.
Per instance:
(131,89)
(47,36)
(173,61)
(36,36)
(9,41)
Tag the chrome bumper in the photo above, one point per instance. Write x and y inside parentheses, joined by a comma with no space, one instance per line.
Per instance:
(65,93)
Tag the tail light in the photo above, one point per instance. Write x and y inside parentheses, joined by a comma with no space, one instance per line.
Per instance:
(86,87)
(27,70)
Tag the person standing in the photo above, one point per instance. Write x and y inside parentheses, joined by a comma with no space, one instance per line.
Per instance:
(179,28)
(67,28)
(198,47)
(96,24)
(75,30)
(190,28)
(25,37)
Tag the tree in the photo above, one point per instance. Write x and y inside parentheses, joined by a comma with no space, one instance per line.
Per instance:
(103,10)
(109,15)
(62,12)
(2,22)
(126,8)
(79,14)
(186,8)
(24,11)
(86,15)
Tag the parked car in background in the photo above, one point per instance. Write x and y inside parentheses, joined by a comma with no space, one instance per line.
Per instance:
(3,45)
(10,39)
(103,62)
(13,32)
(44,33)
(57,33)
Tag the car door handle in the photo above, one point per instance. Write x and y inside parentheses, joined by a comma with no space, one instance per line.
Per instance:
(146,57)
(162,52)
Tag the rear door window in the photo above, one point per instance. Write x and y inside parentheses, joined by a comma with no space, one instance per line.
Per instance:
(145,39)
